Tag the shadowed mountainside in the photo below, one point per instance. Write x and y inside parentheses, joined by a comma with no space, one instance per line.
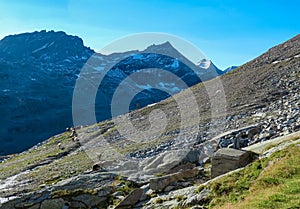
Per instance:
(39,70)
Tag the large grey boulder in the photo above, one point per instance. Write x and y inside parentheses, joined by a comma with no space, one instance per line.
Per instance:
(86,181)
(167,162)
(53,204)
(131,199)
(227,159)
(159,183)
(90,200)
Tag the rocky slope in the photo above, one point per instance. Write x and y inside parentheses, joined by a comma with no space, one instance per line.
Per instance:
(110,164)
(38,72)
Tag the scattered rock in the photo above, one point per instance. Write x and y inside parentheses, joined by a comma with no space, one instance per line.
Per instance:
(197,199)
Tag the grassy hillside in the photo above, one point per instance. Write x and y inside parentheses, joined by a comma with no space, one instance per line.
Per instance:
(268,183)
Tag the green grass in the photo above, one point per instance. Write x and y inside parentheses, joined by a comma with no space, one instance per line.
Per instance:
(127,187)
(272,183)
(59,168)
(180,198)
(160,174)
(23,161)
(159,200)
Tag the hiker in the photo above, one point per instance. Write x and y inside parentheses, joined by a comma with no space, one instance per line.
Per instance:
(74,134)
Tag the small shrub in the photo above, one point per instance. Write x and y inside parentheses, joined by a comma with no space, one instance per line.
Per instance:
(180,198)
(76,192)
(200,188)
(159,174)
(159,200)
(153,195)
(126,188)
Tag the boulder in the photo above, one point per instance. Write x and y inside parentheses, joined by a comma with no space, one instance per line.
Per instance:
(192,156)
(101,166)
(181,167)
(197,199)
(75,204)
(53,204)
(35,207)
(252,131)
(227,159)
(131,199)
(90,200)
(87,181)
(166,162)
(160,183)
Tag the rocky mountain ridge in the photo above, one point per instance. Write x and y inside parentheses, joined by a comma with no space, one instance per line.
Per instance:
(38,73)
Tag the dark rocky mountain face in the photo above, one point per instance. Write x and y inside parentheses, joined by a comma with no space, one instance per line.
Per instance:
(50,47)
(38,72)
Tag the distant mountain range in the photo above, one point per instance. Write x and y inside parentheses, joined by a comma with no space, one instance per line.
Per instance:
(230,69)
(38,72)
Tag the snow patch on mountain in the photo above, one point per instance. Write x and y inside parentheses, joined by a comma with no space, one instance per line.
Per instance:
(137,56)
(204,63)
(43,47)
(175,64)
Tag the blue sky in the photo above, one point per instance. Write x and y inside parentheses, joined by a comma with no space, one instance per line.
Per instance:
(228,32)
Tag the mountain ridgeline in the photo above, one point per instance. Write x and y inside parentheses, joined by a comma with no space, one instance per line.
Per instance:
(38,73)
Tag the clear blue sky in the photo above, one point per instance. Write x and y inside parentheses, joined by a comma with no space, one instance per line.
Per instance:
(228,32)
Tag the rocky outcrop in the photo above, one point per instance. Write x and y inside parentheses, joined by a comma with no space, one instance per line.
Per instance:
(225,160)
(164,163)
(160,183)
(131,199)
(82,191)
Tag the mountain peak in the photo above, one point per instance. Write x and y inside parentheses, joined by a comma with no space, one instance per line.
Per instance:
(166,44)
(164,48)
(33,45)
(204,63)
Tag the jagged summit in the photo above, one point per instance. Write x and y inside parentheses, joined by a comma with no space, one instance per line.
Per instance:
(44,46)
(165,48)
(165,45)
(209,65)
(205,63)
